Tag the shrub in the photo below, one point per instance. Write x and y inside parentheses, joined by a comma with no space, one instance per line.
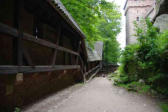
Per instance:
(164,107)
(147,59)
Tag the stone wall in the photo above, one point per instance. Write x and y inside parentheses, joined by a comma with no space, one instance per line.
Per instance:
(139,3)
(151,13)
(135,10)
(161,22)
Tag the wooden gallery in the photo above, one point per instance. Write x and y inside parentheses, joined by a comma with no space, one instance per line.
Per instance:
(42,50)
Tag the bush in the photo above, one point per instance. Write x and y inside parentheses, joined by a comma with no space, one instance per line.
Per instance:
(147,59)
(129,62)
(164,107)
(17,109)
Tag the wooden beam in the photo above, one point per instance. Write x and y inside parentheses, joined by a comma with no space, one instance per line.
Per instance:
(34,69)
(14,33)
(87,73)
(81,60)
(47,43)
(78,52)
(82,64)
(94,74)
(58,35)
(70,59)
(19,49)
(67,19)
(27,57)
(17,43)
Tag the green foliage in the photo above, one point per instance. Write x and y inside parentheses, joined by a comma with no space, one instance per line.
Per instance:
(164,107)
(123,81)
(137,86)
(111,51)
(118,78)
(99,20)
(17,109)
(129,62)
(148,59)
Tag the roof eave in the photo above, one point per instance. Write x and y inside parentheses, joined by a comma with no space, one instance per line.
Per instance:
(125,4)
(66,18)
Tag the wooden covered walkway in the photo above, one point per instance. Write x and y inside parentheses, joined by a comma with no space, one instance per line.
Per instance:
(42,50)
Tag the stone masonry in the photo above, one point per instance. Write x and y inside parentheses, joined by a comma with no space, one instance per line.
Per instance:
(135,10)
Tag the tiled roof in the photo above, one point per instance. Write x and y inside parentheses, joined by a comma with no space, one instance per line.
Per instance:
(99,48)
(162,7)
(60,7)
(96,54)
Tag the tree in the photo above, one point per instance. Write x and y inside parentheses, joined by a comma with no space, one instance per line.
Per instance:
(99,20)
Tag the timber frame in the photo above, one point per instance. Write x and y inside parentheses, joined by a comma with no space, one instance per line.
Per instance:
(63,27)
(18,36)
(31,69)
(42,50)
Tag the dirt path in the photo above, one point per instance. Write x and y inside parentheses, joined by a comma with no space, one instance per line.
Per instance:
(97,96)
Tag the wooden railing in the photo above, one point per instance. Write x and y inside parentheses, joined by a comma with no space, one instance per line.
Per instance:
(14,33)
(93,69)
(30,69)
(93,72)
(8,69)
(33,69)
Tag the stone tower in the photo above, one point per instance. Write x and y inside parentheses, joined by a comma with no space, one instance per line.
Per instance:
(134,11)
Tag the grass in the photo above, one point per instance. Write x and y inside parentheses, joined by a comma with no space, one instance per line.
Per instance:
(164,107)
(123,81)
(135,86)
(17,109)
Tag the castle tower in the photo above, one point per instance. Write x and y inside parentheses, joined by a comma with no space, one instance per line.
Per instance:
(134,11)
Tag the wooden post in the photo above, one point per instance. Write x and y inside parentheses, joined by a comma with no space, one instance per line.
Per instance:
(77,57)
(70,59)
(27,56)
(84,77)
(18,55)
(58,35)
(66,58)
(19,50)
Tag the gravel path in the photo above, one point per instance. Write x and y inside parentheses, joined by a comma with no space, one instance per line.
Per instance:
(99,95)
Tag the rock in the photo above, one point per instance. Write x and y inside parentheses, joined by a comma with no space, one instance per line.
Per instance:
(161,22)
(141,81)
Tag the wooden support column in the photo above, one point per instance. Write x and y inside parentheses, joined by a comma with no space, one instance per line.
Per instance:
(17,42)
(27,56)
(19,50)
(70,59)
(58,35)
(66,59)
(64,53)
(77,57)
(82,63)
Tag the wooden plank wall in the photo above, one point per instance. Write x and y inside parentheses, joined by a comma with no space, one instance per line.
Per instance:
(29,49)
